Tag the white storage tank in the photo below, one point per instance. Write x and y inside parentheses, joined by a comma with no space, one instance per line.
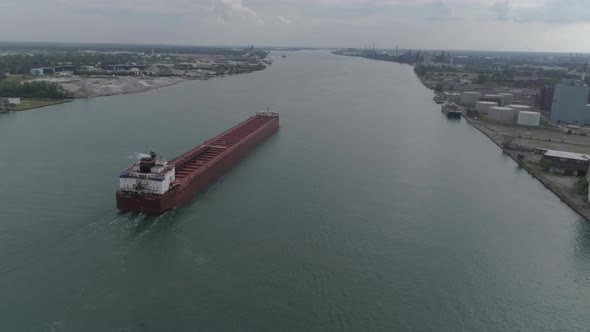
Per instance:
(484,106)
(470,97)
(501,114)
(519,107)
(493,97)
(506,98)
(453,96)
(528,118)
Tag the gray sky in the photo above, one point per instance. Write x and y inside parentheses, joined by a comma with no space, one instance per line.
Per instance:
(527,25)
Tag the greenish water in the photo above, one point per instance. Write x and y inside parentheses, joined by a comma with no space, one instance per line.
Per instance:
(368,211)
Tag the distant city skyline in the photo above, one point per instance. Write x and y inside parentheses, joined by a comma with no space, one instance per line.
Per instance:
(502,25)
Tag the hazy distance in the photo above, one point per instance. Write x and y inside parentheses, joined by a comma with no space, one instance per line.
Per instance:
(503,25)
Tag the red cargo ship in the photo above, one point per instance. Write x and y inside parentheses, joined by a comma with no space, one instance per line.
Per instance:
(153,185)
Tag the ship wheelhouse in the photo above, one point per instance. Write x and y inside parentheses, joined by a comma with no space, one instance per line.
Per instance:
(151,175)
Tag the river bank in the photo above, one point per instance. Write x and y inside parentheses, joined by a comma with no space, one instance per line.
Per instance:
(519,143)
(564,187)
(29,104)
(85,87)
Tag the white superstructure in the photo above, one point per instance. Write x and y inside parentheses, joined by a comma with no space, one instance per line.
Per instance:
(151,175)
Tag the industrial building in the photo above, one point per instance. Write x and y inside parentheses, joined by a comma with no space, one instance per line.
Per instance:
(37,72)
(9,101)
(563,162)
(545,98)
(570,100)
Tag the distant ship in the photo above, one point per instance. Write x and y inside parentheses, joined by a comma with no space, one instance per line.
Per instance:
(284,56)
(153,185)
(451,110)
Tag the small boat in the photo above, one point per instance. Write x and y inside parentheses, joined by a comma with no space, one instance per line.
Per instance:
(439,99)
(284,56)
(452,111)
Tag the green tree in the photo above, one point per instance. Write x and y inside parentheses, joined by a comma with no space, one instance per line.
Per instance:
(35,89)
(481,78)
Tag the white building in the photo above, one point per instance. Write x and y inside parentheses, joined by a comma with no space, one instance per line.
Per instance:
(14,100)
(427,58)
(151,175)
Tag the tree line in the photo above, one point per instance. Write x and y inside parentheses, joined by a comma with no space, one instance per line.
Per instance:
(21,64)
(35,89)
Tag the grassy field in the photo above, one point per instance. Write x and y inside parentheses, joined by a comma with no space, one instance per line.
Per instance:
(18,78)
(33,103)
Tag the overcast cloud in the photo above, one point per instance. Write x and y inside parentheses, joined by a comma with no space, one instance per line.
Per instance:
(536,25)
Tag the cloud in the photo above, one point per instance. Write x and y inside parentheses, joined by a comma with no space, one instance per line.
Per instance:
(502,9)
(229,10)
(542,11)
(284,20)
(442,10)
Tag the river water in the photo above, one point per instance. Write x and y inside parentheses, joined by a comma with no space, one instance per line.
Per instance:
(368,211)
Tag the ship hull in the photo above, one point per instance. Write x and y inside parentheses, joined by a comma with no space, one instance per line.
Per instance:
(156,204)
(453,115)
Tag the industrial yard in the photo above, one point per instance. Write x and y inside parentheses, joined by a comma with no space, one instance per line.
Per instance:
(534,106)
(523,145)
(532,140)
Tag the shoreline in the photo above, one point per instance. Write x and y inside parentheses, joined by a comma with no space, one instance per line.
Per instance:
(98,87)
(39,103)
(581,209)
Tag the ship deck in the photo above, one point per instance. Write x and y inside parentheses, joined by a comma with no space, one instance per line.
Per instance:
(192,161)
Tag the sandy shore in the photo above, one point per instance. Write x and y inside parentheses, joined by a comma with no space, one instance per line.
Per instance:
(82,87)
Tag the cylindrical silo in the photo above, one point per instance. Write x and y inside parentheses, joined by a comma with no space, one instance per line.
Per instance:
(470,97)
(527,118)
(506,98)
(493,97)
(518,107)
(484,106)
(501,114)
